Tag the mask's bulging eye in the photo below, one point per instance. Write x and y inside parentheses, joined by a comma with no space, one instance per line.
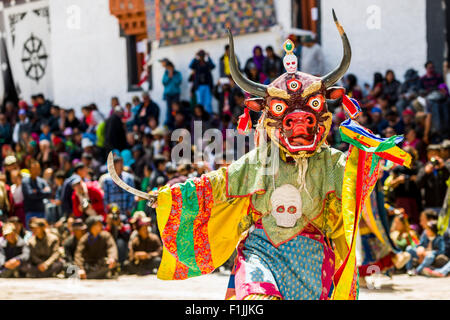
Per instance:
(294,85)
(316,103)
(277,108)
(280,209)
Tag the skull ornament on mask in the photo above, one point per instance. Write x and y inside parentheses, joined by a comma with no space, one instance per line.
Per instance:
(286,206)
(290,63)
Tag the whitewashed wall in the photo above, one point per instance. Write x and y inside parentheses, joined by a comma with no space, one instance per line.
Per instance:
(89,55)
(398,44)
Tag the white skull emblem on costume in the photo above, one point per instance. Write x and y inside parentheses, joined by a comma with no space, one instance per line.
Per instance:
(290,63)
(286,206)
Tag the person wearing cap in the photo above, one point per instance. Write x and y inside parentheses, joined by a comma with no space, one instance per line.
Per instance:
(14,253)
(45,258)
(87,199)
(145,250)
(114,194)
(80,171)
(90,162)
(96,254)
(78,230)
(160,165)
(21,126)
(35,189)
(9,165)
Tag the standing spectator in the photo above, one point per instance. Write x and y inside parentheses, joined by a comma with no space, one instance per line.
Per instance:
(272,63)
(391,87)
(44,251)
(43,106)
(35,190)
(115,133)
(5,131)
(313,61)
(14,253)
(160,166)
(114,194)
(17,194)
(432,179)
(431,80)
(21,126)
(202,66)
(172,88)
(224,63)
(145,250)
(256,62)
(96,253)
(80,171)
(148,109)
(87,199)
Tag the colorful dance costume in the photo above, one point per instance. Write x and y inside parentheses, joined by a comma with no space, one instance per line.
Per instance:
(291,206)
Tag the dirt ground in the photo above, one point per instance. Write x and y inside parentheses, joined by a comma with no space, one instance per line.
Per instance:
(210,287)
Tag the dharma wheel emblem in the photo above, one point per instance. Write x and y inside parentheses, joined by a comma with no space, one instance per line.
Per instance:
(34,58)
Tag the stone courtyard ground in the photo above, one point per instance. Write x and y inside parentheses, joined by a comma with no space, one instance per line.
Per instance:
(210,287)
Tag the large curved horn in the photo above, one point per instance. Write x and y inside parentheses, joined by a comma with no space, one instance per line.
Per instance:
(123,185)
(334,76)
(245,84)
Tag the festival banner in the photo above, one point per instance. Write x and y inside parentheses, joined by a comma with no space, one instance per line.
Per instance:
(179,21)
(27,29)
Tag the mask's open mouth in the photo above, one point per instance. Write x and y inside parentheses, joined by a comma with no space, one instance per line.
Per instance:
(301,142)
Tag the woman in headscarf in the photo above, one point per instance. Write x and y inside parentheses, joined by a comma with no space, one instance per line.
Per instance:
(257,60)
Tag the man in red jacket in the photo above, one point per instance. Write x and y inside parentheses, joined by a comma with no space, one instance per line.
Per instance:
(87,199)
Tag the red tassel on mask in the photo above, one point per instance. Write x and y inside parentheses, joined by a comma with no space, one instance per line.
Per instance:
(245,122)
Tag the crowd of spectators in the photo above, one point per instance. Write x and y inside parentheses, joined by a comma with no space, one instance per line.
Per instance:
(61,213)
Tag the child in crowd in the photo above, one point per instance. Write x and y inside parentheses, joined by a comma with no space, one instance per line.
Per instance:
(401,233)
(431,245)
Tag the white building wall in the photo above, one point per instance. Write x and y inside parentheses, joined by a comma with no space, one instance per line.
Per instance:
(398,44)
(89,56)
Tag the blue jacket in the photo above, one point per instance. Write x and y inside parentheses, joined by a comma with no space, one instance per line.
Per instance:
(172,85)
(438,245)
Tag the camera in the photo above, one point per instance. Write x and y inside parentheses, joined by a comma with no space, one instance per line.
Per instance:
(85,203)
(434,162)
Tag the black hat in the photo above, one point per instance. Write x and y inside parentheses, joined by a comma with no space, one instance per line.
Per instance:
(78,224)
(91,220)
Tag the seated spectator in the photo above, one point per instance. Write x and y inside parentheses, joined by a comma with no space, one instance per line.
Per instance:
(20,230)
(87,199)
(70,244)
(145,250)
(431,245)
(117,226)
(96,254)
(45,259)
(401,233)
(14,253)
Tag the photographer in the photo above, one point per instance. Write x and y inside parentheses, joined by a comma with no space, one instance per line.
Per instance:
(87,199)
(432,178)
(117,226)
